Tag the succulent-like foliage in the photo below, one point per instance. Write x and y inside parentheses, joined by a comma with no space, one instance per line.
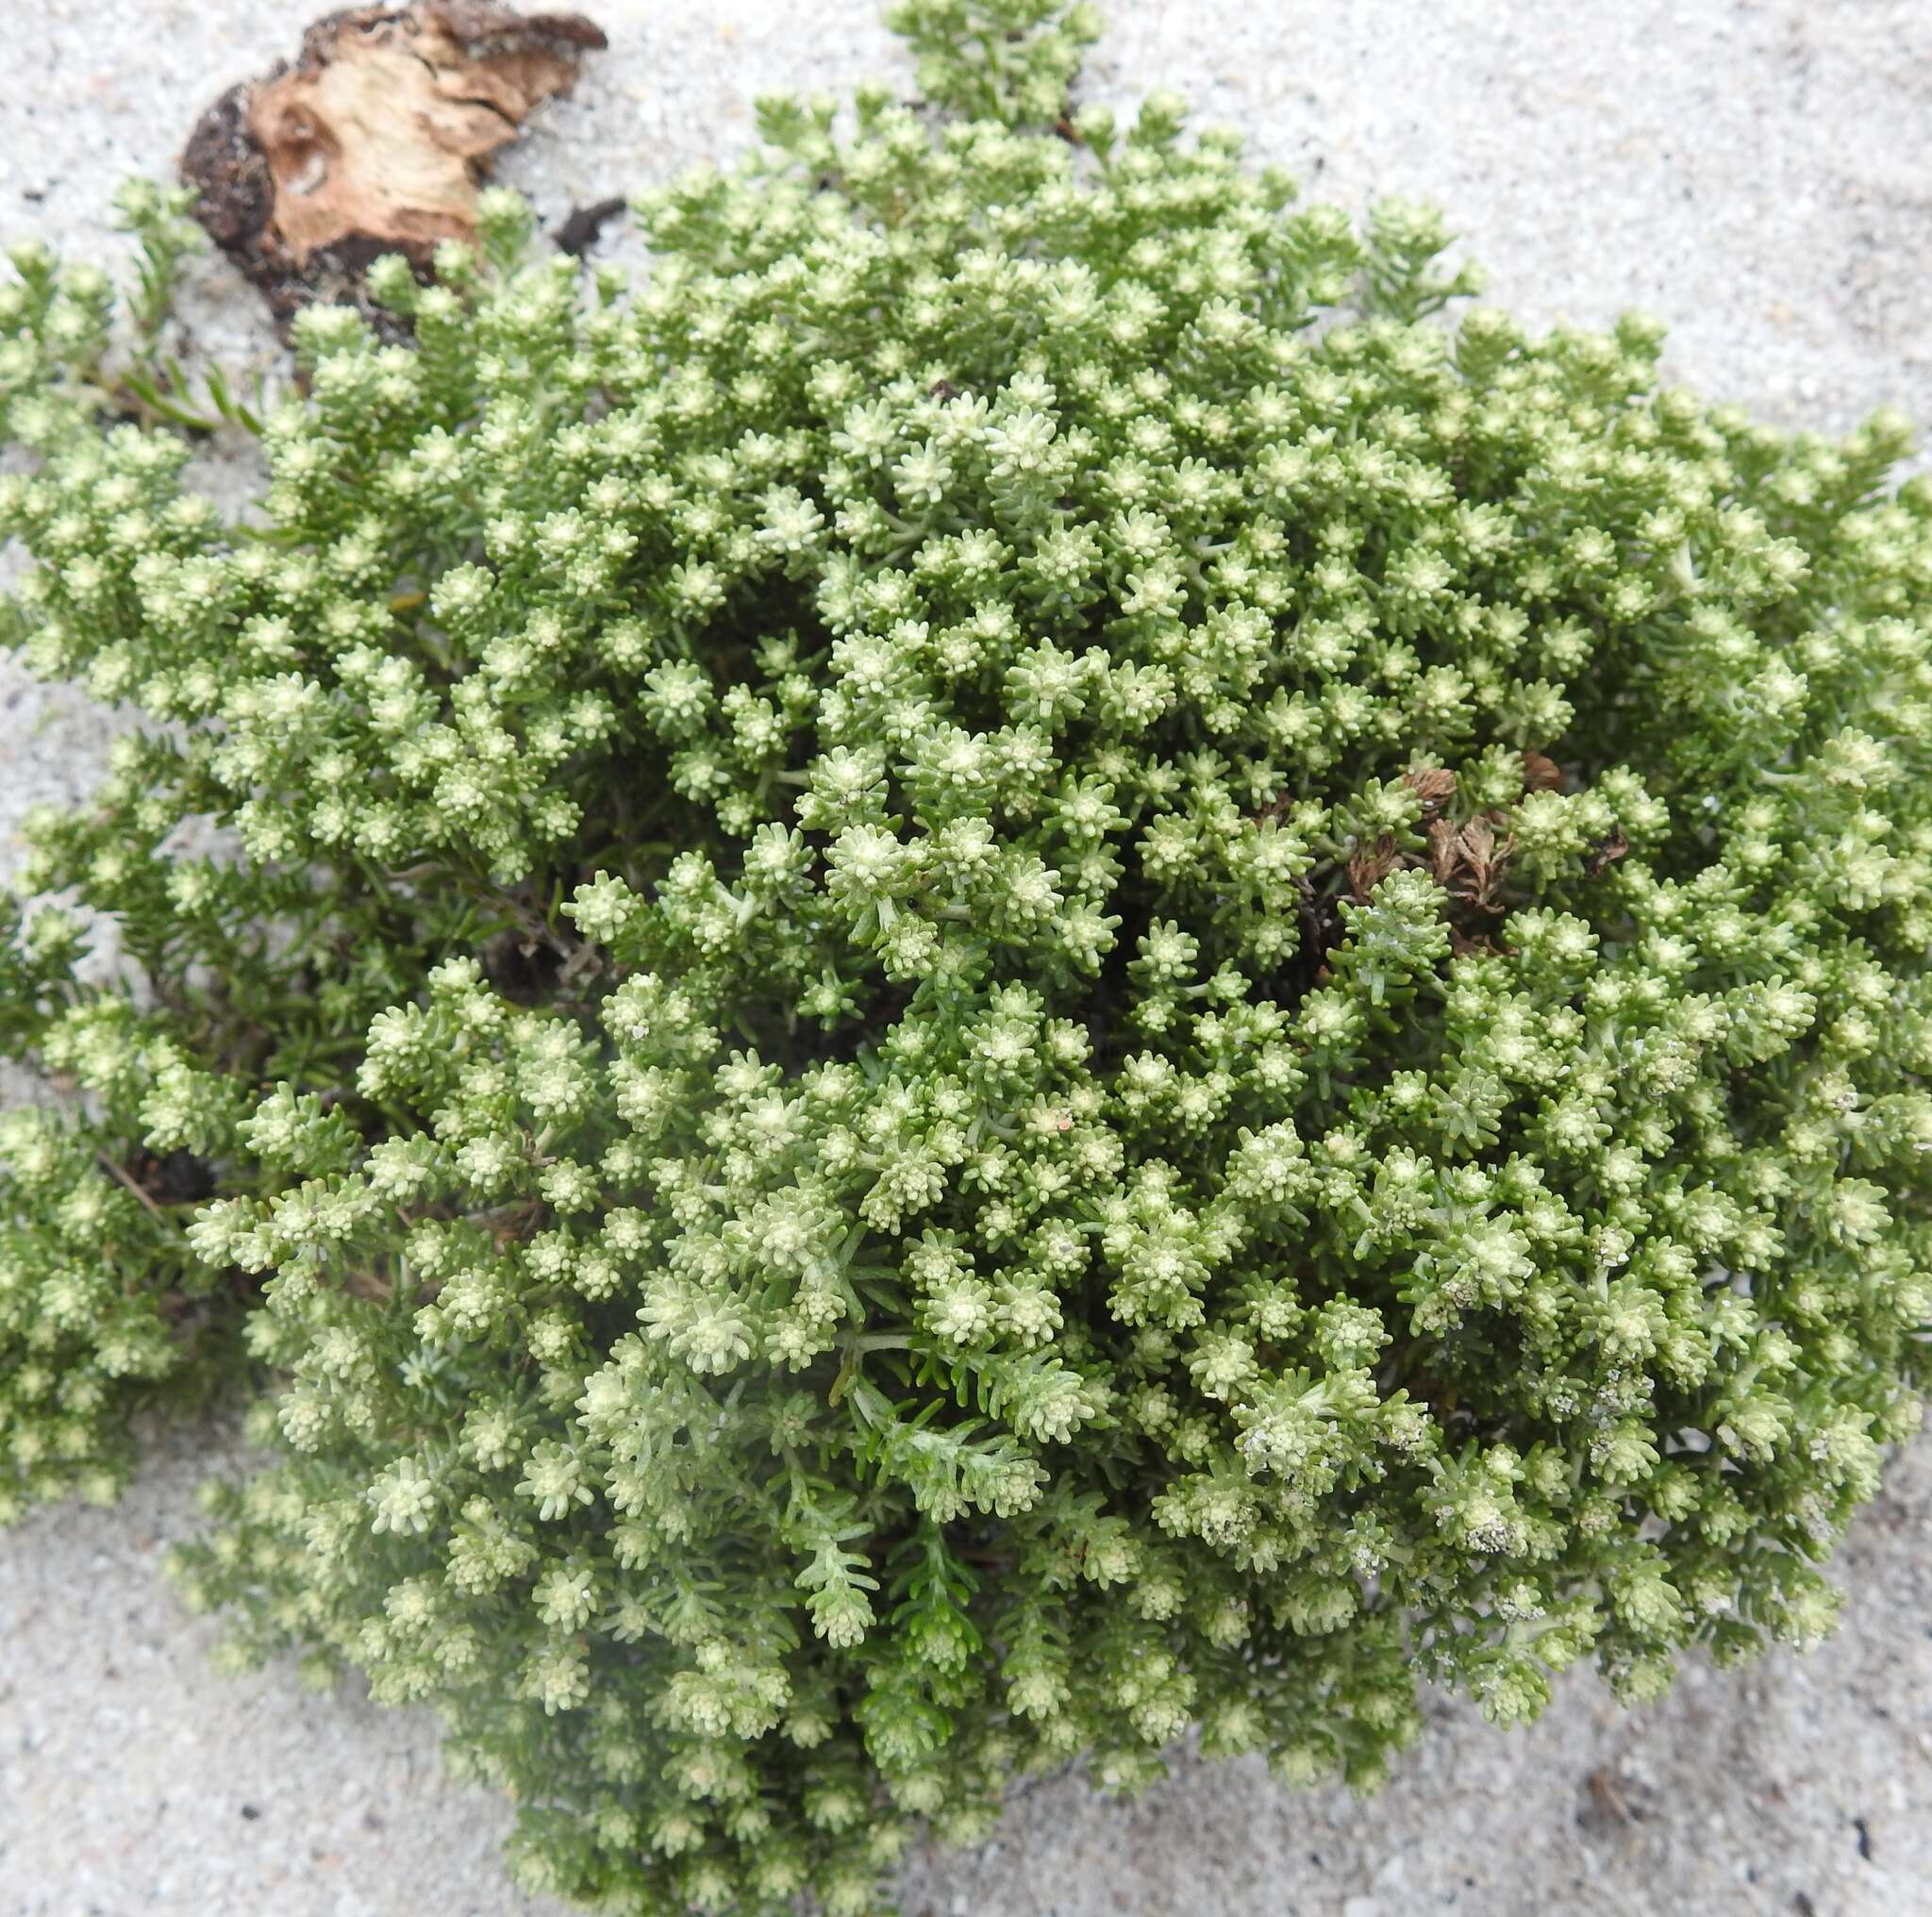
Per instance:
(102,1301)
(1006,971)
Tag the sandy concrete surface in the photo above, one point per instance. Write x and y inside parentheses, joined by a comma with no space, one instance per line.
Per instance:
(1759,172)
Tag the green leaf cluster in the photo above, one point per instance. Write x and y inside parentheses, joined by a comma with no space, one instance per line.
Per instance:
(1006,970)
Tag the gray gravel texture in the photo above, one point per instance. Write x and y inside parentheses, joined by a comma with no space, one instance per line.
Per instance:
(1757,171)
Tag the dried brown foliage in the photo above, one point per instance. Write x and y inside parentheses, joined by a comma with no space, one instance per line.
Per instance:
(1468,858)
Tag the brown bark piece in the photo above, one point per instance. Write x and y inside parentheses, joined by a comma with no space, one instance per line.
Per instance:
(375,140)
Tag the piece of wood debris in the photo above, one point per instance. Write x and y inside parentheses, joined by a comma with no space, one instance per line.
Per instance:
(375,140)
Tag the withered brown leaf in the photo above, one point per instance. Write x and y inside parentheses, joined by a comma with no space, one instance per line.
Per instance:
(1541,774)
(1371,866)
(1613,849)
(1434,785)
